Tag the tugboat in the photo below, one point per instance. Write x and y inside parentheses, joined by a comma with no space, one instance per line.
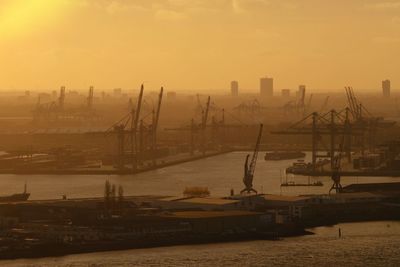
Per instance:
(282,155)
(16,197)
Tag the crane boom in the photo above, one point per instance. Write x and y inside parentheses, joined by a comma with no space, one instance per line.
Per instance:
(158,110)
(138,107)
(61,98)
(308,106)
(156,119)
(325,104)
(255,153)
(250,168)
(90,97)
(205,117)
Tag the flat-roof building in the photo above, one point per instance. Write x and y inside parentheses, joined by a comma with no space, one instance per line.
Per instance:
(386,88)
(234,88)
(266,86)
(286,93)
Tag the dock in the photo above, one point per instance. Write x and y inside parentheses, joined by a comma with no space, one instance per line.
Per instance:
(109,170)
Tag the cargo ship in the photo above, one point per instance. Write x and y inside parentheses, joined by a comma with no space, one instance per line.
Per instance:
(282,155)
(16,197)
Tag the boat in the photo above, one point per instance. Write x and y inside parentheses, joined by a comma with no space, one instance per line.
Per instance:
(24,196)
(282,155)
(292,183)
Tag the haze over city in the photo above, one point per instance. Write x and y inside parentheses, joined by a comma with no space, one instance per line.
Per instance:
(195,45)
(200,133)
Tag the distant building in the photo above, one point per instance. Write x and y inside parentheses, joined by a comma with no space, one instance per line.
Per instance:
(44,96)
(286,93)
(234,88)
(386,88)
(302,91)
(117,92)
(266,86)
(72,93)
(171,95)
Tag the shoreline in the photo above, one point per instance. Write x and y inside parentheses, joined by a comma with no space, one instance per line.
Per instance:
(60,250)
(111,171)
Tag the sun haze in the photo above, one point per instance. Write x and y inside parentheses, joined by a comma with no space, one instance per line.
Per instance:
(201,44)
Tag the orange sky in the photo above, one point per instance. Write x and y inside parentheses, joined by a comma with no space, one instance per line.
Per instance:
(195,44)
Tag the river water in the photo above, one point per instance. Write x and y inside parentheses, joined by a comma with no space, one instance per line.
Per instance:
(362,244)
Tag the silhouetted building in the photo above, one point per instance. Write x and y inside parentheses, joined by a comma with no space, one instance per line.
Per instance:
(171,95)
(286,93)
(266,86)
(302,91)
(386,88)
(117,92)
(234,88)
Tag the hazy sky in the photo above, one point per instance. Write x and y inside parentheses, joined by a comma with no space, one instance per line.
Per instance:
(194,44)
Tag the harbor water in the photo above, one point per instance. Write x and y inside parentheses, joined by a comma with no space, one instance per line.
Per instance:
(361,244)
(220,174)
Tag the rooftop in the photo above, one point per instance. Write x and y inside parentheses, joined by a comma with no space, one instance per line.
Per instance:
(210,214)
(209,201)
(285,198)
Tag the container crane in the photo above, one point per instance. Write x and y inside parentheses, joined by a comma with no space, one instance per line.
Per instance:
(249,168)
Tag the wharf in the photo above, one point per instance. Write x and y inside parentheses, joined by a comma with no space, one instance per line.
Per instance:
(111,170)
(323,168)
(361,173)
(45,228)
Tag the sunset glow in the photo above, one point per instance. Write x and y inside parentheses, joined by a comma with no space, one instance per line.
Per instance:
(324,44)
(19,17)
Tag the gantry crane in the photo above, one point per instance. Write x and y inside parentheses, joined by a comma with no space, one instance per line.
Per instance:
(249,168)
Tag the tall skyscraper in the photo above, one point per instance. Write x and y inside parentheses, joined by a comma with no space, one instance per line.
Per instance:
(266,86)
(386,88)
(302,92)
(234,88)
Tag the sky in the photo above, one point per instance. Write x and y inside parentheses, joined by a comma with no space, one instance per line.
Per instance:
(198,44)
